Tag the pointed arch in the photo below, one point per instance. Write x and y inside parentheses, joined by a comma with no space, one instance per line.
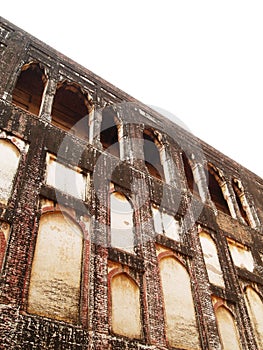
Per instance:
(152,159)
(54,289)
(125,306)
(215,183)
(109,135)
(227,329)
(29,88)
(10,156)
(71,108)
(255,309)
(192,185)
(181,326)
(243,205)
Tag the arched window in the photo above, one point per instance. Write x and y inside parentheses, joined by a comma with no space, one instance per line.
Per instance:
(255,309)
(56,270)
(122,230)
(227,329)
(212,263)
(125,306)
(181,327)
(29,88)
(152,155)
(242,203)
(71,108)
(189,175)
(214,181)
(9,155)
(109,132)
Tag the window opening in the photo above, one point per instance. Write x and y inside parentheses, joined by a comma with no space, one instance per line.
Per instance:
(71,108)
(29,88)
(216,191)
(238,194)
(152,155)
(122,230)
(109,132)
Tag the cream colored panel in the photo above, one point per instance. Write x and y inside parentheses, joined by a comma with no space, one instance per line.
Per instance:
(255,309)
(157,220)
(165,224)
(65,179)
(241,255)
(125,298)
(181,328)
(122,235)
(171,226)
(55,278)
(227,329)
(9,156)
(212,263)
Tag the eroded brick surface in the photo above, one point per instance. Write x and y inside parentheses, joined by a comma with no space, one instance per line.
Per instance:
(178,194)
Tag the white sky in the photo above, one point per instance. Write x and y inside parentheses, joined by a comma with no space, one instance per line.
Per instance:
(200,60)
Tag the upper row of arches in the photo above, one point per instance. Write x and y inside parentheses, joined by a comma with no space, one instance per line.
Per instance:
(71,109)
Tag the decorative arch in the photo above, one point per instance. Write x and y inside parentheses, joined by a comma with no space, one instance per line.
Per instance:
(227,328)
(255,309)
(215,185)
(109,134)
(10,156)
(71,109)
(152,157)
(121,222)
(29,87)
(55,279)
(125,306)
(242,202)
(188,169)
(181,326)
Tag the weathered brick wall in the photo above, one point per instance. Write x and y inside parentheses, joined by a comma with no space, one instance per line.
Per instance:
(20,330)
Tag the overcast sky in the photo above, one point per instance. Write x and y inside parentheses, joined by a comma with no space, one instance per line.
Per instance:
(200,60)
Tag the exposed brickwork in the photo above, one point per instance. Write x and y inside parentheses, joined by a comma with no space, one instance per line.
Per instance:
(20,330)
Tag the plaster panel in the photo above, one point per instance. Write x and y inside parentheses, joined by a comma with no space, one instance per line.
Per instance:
(181,328)
(212,263)
(241,255)
(125,298)
(227,329)
(255,309)
(65,179)
(55,278)
(9,155)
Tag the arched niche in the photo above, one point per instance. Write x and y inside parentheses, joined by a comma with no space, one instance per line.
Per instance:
(227,329)
(181,326)
(255,309)
(55,279)
(125,306)
(29,88)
